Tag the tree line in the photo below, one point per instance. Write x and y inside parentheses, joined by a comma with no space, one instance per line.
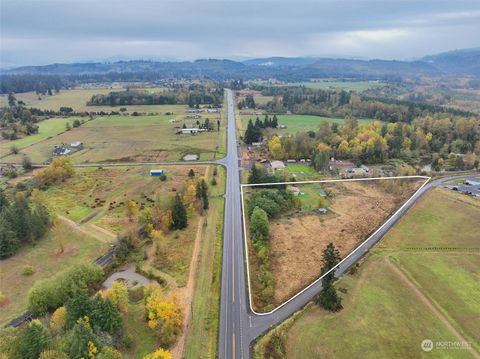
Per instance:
(22,221)
(332,103)
(184,96)
(254,131)
(449,141)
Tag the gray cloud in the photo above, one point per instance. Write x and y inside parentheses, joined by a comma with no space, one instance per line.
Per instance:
(46,31)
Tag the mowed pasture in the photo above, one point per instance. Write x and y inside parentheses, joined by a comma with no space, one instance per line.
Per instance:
(77,99)
(358,86)
(97,196)
(46,129)
(46,259)
(304,123)
(354,211)
(294,123)
(127,139)
(420,282)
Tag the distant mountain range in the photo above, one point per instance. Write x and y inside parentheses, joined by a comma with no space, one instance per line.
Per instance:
(458,62)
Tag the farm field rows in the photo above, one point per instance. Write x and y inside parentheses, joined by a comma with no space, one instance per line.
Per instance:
(123,138)
(420,282)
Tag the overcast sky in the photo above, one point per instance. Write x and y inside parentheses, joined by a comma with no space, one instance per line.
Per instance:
(47,31)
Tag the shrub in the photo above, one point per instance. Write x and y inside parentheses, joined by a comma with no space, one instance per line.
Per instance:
(14,149)
(27,270)
(159,354)
(49,294)
(53,354)
(3,298)
(58,319)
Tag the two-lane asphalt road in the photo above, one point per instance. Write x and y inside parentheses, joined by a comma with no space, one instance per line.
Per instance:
(239,326)
(233,335)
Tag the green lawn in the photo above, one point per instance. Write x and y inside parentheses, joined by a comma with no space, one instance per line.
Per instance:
(77,99)
(46,128)
(303,123)
(380,319)
(358,86)
(46,261)
(144,340)
(126,138)
(383,316)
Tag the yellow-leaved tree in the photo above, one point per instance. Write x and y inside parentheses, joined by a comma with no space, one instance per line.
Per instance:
(190,195)
(59,319)
(131,210)
(164,314)
(159,354)
(118,294)
(275,147)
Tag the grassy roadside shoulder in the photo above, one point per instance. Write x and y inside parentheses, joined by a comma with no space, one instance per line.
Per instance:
(202,334)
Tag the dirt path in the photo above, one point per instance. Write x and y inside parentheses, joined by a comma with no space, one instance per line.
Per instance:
(430,305)
(186,293)
(94,231)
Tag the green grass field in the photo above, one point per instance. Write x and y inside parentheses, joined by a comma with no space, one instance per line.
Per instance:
(46,129)
(420,283)
(303,123)
(294,123)
(77,99)
(123,139)
(44,257)
(358,86)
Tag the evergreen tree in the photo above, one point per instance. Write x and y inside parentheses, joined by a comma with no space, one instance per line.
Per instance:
(249,133)
(191,173)
(179,214)
(274,121)
(3,201)
(9,242)
(77,306)
(105,316)
(254,176)
(33,340)
(328,297)
(82,339)
(18,217)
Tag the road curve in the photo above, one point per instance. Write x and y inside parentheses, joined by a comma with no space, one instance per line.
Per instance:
(239,326)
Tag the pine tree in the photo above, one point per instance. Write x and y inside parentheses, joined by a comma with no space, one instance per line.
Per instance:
(328,297)
(274,121)
(105,316)
(33,340)
(179,214)
(191,173)
(254,176)
(77,306)
(3,201)
(81,337)
(9,242)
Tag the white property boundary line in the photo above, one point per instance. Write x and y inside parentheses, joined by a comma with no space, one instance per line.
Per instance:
(344,259)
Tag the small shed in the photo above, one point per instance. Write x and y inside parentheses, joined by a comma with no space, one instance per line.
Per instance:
(322,210)
(157,173)
(277,166)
